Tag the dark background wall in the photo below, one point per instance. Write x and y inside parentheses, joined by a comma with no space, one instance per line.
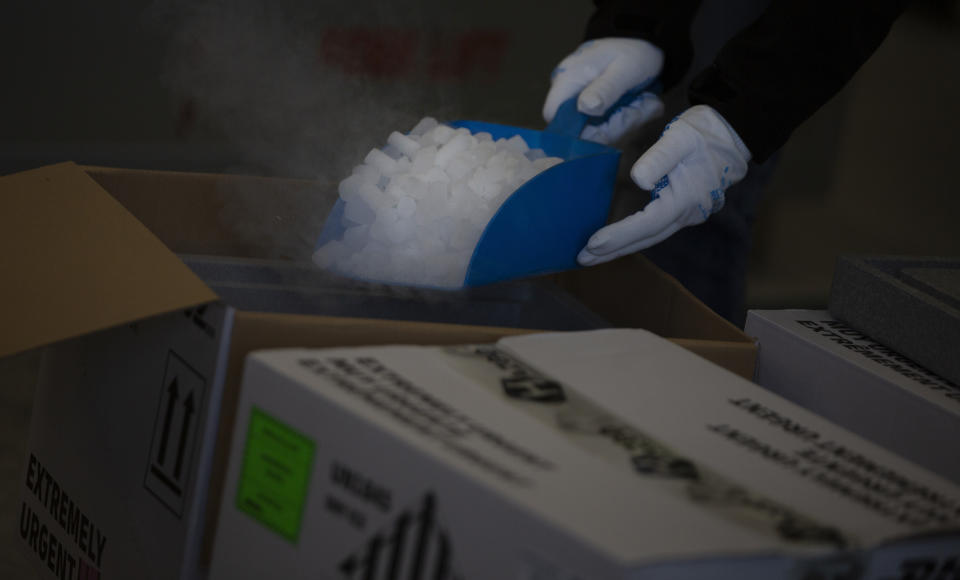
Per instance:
(296,88)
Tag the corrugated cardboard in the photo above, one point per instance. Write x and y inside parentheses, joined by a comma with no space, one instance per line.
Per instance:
(120,448)
(224,215)
(74,261)
(84,265)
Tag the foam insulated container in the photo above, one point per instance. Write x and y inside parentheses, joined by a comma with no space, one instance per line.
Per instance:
(910,304)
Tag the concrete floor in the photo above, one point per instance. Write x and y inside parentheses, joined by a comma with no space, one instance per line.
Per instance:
(872,172)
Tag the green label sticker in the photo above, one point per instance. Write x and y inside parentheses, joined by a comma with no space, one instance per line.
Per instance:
(276,471)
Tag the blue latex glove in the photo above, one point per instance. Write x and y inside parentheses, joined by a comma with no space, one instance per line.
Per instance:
(687,172)
(600,72)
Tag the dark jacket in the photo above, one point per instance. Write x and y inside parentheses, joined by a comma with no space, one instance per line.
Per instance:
(773,74)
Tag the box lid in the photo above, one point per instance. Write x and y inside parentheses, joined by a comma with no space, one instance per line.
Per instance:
(74,261)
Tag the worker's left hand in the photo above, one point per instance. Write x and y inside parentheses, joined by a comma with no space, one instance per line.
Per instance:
(687,170)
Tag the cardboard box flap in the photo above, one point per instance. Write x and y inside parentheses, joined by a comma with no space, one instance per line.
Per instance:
(74,261)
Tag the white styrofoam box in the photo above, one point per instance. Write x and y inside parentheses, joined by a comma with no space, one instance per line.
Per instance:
(602,454)
(820,363)
(120,447)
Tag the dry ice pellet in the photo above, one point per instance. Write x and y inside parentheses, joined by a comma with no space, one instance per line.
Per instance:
(415,209)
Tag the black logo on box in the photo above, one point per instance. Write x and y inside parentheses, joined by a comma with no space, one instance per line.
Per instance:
(175,431)
(517,379)
(412,547)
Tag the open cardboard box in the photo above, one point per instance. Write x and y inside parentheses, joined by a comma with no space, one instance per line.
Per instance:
(219,214)
(90,268)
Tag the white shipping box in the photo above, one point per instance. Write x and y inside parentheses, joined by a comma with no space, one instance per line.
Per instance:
(602,454)
(822,364)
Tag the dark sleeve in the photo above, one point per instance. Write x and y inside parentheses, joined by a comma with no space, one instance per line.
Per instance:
(663,23)
(778,71)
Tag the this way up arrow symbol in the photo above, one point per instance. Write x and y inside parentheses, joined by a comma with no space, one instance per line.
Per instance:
(171,402)
(188,409)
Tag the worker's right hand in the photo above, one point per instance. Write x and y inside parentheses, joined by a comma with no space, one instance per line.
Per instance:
(687,172)
(600,72)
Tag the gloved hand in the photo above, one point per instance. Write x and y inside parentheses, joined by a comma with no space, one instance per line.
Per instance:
(687,170)
(601,71)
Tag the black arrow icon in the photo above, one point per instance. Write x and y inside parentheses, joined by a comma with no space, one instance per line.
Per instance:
(426,528)
(184,428)
(171,401)
(398,539)
(431,551)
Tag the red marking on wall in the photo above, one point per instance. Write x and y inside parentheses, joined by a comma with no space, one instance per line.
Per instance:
(376,52)
(475,52)
(397,53)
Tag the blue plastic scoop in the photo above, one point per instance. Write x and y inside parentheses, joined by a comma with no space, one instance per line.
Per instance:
(542,226)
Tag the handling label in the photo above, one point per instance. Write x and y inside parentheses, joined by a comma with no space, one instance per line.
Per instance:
(63,536)
(277,461)
(175,432)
